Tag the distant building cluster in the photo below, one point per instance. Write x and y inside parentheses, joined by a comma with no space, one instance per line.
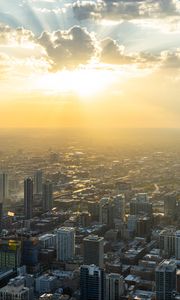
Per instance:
(77,226)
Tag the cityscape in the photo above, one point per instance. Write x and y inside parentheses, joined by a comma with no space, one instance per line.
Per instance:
(89,150)
(86,221)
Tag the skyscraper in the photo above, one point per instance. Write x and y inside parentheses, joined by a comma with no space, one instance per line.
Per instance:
(28,198)
(38,182)
(93,250)
(170,201)
(3,193)
(106,212)
(140,205)
(30,252)
(3,186)
(65,243)
(119,202)
(92,283)
(165,276)
(114,286)
(47,196)
(177,244)
(167,241)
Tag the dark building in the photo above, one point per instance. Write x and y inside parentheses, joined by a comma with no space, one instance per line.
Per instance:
(144,227)
(107,212)
(38,182)
(170,204)
(93,250)
(28,198)
(92,283)
(178,281)
(93,208)
(30,252)
(165,280)
(47,196)
(138,208)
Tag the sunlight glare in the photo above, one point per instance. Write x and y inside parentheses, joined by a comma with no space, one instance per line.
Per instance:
(83,82)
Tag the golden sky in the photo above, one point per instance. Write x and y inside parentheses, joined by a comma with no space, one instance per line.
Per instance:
(90,63)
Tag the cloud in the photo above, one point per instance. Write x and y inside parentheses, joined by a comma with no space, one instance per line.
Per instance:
(171,59)
(113,53)
(20,54)
(69,48)
(23,52)
(4,65)
(126,9)
(9,35)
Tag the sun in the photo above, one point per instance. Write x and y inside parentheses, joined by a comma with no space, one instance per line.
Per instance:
(85,82)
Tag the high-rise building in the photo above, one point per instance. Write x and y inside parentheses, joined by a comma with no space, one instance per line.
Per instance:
(3,193)
(140,205)
(28,198)
(65,243)
(3,186)
(167,241)
(92,283)
(114,286)
(10,254)
(165,276)
(47,240)
(119,203)
(177,244)
(144,227)
(132,223)
(15,290)
(106,212)
(170,200)
(38,182)
(30,252)
(93,208)
(93,250)
(178,281)
(47,196)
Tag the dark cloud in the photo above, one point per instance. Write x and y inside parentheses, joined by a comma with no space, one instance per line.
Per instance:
(68,48)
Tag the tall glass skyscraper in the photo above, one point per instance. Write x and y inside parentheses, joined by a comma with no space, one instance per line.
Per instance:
(28,198)
(92,283)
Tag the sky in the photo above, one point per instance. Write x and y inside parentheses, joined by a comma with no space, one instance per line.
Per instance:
(100,63)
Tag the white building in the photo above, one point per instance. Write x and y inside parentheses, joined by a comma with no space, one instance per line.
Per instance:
(45,284)
(65,243)
(15,290)
(114,286)
(47,240)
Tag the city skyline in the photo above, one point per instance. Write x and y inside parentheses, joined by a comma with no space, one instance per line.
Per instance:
(89,63)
